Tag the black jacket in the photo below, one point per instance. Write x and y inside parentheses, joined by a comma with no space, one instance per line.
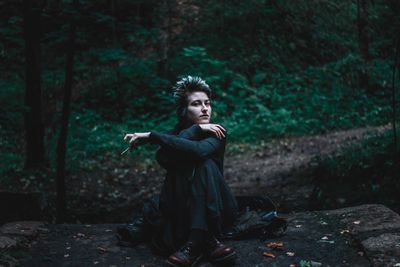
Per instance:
(194,193)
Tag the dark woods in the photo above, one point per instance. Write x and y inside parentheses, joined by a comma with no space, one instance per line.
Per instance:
(77,74)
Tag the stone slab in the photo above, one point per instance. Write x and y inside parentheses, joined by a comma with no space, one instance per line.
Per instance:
(96,245)
(28,229)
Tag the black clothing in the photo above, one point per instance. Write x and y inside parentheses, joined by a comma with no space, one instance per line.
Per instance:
(194,194)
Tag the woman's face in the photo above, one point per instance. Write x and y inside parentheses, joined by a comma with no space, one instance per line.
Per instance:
(199,108)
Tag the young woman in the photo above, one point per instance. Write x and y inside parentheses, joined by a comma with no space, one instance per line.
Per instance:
(195,202)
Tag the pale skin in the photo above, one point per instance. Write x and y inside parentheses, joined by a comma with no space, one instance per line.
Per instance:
(198,112)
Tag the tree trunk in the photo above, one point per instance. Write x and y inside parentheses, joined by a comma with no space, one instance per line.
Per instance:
(34,129)
(396,66)
(362,11)
(165,11)
(114,22)
(62,140)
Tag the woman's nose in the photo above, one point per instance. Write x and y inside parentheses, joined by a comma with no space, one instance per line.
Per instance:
(204,107)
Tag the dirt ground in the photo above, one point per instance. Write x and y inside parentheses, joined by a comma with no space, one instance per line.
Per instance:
(278,170)
(311,237)
(365,235)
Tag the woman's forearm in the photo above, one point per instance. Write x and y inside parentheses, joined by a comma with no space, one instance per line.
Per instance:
(199,149)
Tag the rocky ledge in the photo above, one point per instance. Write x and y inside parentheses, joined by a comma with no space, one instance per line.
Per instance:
(366,235)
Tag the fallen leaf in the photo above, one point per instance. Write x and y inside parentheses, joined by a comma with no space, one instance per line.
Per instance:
(324,238)
(96,262)
(298,225)
(305,263)
(275,245)
(292,265)
(326,241)
(66,255)
(268,254)
(290,254)
(344,232)
(102,250)
(357,222)
(80,235)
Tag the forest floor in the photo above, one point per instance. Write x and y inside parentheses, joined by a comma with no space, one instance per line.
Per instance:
(366,235)
(277,169)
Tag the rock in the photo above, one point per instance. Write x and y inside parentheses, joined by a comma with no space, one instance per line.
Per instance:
(376,228)
(383,250)
(28,229)
(356,236)
(7,243)
(366,220)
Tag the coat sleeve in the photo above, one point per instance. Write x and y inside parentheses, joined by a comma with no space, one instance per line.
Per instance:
(197,149)
(169,158)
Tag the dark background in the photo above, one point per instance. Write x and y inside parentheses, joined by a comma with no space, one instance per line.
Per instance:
(77,75)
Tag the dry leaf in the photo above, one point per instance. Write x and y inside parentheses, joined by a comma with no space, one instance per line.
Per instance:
(80,235)
(268,254)
(357,222)
(102,250)
(275,245)
(326,241)
(290,254)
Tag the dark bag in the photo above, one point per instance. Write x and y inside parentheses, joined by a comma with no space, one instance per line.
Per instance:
(257,218)
(141,224)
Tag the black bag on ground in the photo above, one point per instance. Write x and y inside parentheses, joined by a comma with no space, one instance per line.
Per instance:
(141,225)
(257,218)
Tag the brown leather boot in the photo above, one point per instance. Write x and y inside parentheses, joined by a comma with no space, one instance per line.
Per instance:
(186,256)
(218,252)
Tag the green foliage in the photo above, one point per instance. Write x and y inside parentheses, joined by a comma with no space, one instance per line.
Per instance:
(374,156)
(93,141)
(364,171)
(11,104)
(276,69)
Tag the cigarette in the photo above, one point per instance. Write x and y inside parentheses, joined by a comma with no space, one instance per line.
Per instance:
(126,150)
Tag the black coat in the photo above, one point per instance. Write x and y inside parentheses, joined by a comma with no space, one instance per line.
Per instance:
(194,194)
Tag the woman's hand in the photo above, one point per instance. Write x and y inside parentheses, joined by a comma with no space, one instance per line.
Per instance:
(133,138)
(216,129)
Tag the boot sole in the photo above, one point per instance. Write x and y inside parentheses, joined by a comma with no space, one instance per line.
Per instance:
(176,265)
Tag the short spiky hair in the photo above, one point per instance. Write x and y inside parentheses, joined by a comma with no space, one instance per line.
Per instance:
(190,84)
(181,90)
